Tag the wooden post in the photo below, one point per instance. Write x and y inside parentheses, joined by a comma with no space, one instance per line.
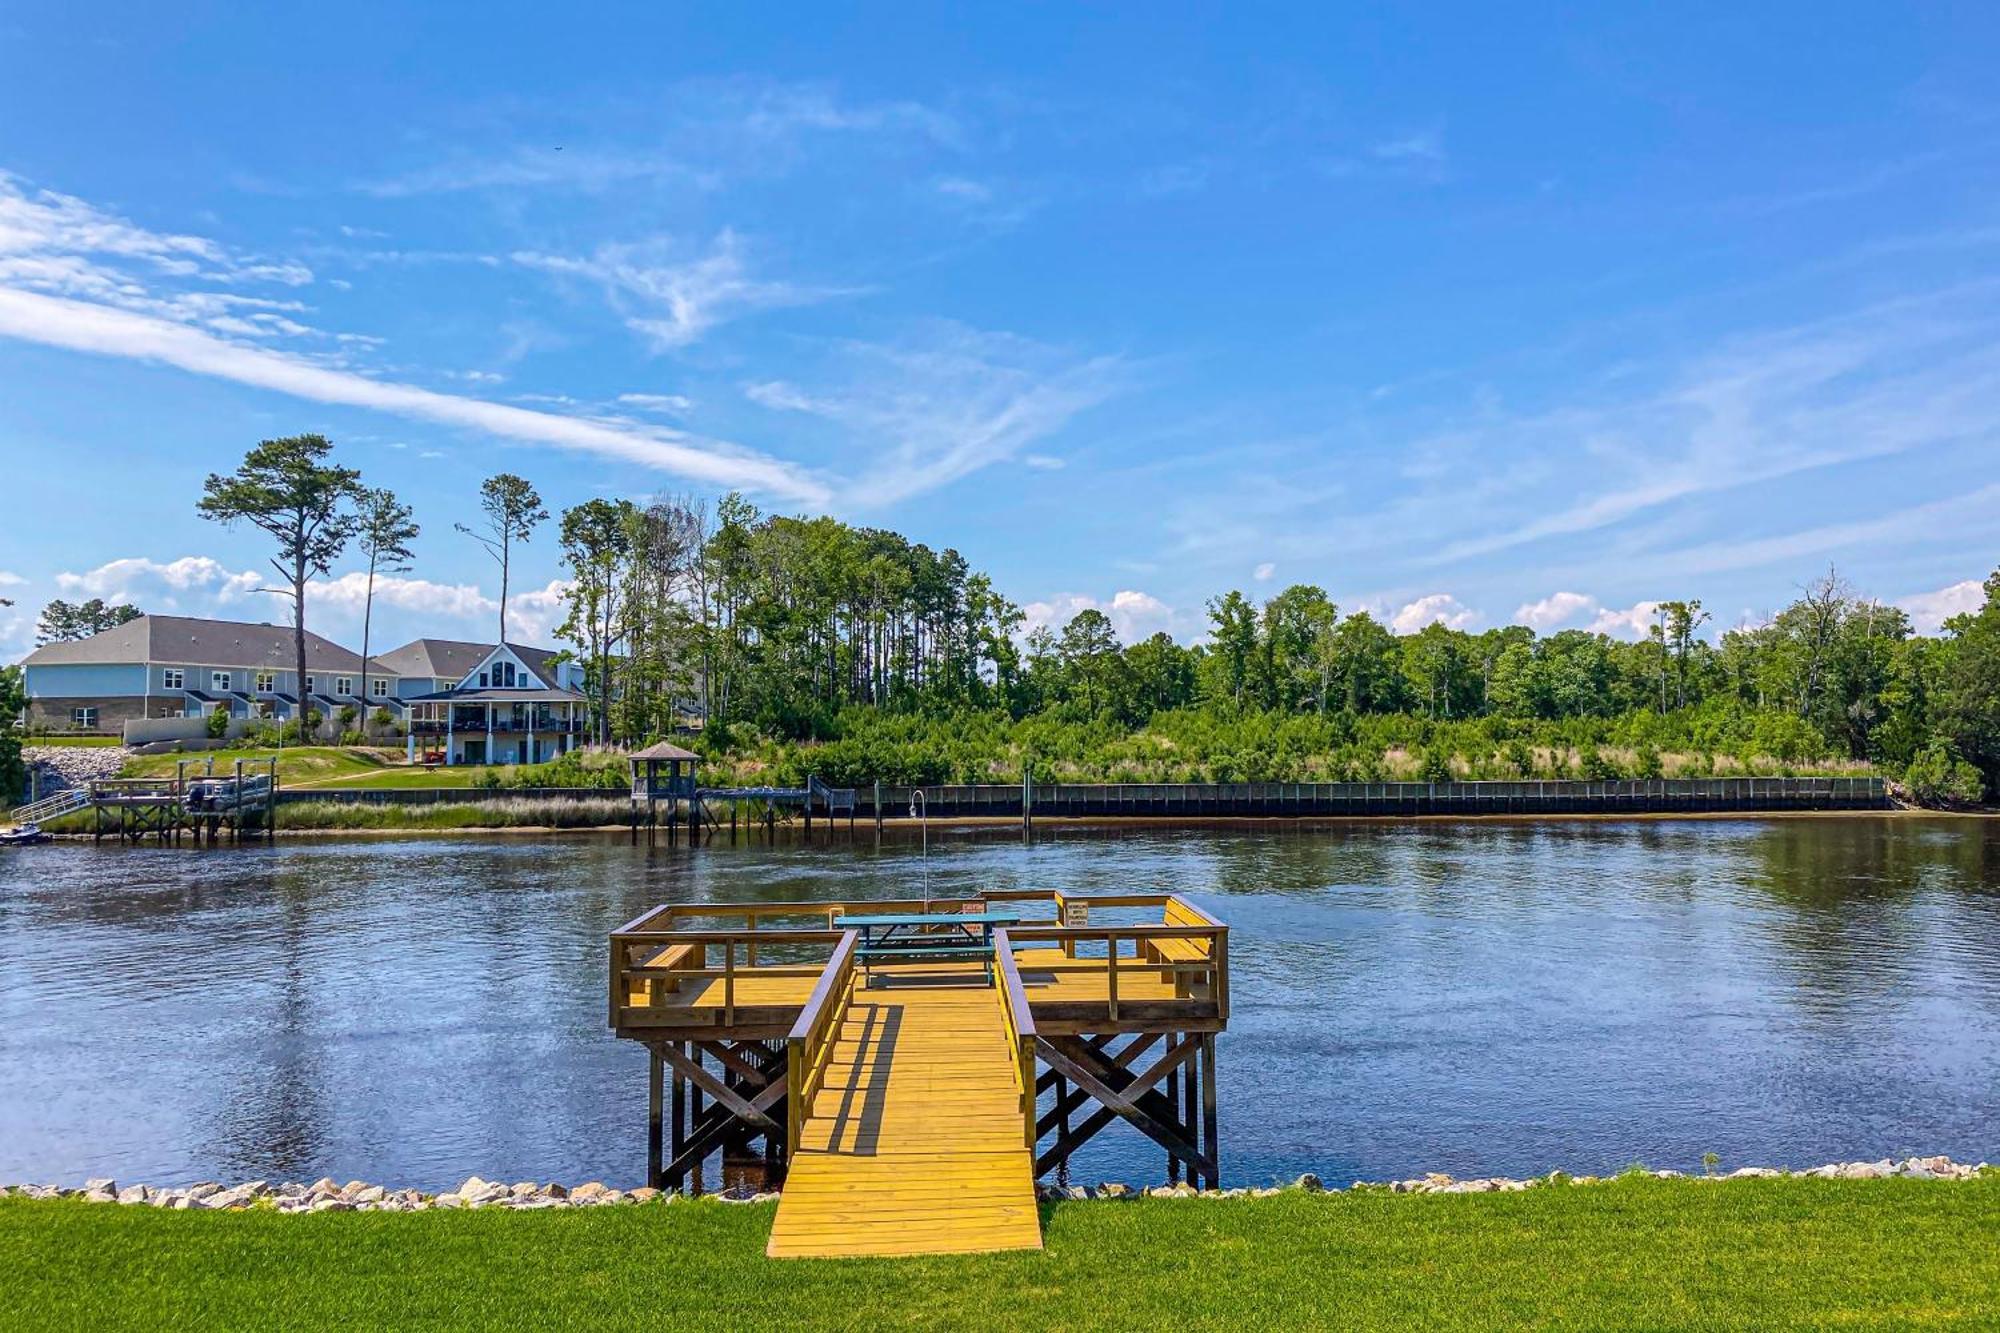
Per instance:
(878,809)
(679,1115)
(655,1076)
(1210,1139)
(1190,1107)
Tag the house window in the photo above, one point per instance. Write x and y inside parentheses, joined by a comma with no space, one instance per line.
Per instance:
(309,684)
(343,684)
(378,688)
(173,678)
(85,718)
(266,682)
(219,679)
(482,680)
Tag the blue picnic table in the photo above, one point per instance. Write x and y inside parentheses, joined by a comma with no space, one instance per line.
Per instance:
(930,935)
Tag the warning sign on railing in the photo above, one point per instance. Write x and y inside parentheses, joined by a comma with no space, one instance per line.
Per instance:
(1076,914)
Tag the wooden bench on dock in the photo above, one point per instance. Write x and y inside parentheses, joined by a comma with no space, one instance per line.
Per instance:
(1179,950)
(661,971)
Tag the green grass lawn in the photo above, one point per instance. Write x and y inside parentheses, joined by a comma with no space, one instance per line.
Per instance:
(329,766)
(463,775)
(296,763)
(1636,1254)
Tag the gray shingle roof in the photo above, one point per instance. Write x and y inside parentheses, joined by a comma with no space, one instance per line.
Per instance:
(451,659)
(222,643)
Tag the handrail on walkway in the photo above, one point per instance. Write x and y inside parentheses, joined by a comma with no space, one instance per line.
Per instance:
(809,1046)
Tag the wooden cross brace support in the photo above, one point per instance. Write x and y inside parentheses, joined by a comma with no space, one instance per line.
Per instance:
(751,1110)
(750,1092)
(1121,1093)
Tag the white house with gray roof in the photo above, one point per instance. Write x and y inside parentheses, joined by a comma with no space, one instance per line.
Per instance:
(489,703)
(461,702)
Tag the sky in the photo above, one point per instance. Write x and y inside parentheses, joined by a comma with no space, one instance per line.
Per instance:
(1484,314)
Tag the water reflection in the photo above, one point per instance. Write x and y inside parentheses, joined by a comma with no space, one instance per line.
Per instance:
(1472,997)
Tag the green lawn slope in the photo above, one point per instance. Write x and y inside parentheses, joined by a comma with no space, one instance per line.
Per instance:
(1636,1253)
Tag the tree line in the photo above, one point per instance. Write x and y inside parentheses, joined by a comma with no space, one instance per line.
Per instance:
(773,629)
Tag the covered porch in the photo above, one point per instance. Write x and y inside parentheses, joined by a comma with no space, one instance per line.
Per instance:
(494,726)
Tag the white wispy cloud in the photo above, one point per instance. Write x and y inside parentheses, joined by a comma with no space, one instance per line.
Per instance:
(1968,514)
(698,134)
(673,298)
(671,403)
(9,579)
(104,331)
(1264,571)
(943,404)
(1920,371)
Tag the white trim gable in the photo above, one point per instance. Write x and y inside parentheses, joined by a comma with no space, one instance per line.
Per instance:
(505,658)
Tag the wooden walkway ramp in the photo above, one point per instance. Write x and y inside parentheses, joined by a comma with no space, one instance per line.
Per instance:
(914,1144)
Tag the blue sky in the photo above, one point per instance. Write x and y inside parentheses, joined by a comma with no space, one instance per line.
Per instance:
(1482,315)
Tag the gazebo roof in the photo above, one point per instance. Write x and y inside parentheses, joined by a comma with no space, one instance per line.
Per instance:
(665,750)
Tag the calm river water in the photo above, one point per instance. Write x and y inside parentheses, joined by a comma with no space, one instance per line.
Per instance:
(1474,998)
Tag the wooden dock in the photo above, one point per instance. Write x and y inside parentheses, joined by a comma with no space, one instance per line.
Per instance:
(913,1142)
(913,1116)
(196,802)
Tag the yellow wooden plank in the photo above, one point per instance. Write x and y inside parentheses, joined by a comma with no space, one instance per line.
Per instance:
(914,1143)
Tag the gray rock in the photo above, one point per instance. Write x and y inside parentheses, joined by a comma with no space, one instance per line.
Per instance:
(134,1194)
(1310,1183)
(103,1185)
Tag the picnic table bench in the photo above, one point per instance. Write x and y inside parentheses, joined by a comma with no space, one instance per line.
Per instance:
(956,936)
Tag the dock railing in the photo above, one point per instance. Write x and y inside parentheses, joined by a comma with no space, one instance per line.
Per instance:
(650,962)
(809,1048)
(1019,1018)
(658,952)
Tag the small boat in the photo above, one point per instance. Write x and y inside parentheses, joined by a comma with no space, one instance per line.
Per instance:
(25,835)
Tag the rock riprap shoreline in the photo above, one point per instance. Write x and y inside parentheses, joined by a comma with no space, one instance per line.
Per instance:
(327,1196)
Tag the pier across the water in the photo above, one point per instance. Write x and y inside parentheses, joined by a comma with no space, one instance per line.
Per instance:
(196,802)
(909,1094)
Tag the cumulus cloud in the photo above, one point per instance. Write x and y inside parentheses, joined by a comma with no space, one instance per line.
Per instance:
(1633,622)
(9,579)
(1555,610)
(1135,615)
(192,585)
(1264,572)
(1437,608)
(202,586)
(1929,610)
